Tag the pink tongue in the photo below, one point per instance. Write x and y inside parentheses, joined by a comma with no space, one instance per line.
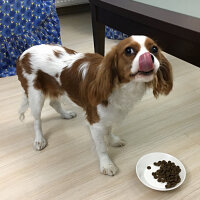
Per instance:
(145,62)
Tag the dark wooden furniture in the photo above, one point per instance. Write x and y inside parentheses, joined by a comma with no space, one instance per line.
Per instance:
(176,33)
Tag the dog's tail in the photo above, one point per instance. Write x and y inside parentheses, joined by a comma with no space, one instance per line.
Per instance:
(23,107)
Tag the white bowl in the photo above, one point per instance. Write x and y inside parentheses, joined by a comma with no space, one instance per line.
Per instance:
(145,175)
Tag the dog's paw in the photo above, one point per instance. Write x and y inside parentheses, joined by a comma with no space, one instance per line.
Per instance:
(107,167)
(68,115)
(116,141)
(39,144)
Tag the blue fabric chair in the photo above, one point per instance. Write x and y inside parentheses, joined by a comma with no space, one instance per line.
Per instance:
(25,23)
(114,34)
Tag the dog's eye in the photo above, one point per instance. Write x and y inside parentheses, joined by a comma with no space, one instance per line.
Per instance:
(129,51)
(154,49)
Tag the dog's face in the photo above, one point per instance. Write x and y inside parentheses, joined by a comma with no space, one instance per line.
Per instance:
(139,59)
(135,59)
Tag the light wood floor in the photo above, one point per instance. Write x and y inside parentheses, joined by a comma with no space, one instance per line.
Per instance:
(67,169)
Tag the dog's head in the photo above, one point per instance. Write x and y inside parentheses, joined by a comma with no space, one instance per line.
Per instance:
(136,59)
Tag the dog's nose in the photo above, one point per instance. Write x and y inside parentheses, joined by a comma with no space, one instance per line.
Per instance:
(146,62)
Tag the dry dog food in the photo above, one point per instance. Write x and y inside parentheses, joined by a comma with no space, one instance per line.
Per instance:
(168,172)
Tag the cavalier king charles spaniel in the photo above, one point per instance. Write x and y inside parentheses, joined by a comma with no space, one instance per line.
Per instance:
(105,87)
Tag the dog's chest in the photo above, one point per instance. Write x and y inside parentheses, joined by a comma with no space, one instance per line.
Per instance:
(120,102)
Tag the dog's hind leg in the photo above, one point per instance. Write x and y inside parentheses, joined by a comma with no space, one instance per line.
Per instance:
(55,103)
(23,107)
(114,140)
(36,102)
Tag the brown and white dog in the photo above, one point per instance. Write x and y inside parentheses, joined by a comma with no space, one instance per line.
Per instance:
(105,87)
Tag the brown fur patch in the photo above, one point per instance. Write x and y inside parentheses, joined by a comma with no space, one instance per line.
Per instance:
(21,78)
(70,80)
(56,75)
(26,63)
(92,115)
(105,103)
(163,80)
(100,88)
(69,51)
(57,53)
(124,62)
(77,88)
(48,84)
(149,44)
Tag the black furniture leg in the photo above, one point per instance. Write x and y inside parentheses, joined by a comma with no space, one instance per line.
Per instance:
(98,32)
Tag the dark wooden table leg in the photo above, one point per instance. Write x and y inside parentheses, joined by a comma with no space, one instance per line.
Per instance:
(98,32)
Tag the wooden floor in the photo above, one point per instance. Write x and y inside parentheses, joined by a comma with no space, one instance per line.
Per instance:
(67,169)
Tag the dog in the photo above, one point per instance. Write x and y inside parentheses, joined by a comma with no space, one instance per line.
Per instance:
(105,87)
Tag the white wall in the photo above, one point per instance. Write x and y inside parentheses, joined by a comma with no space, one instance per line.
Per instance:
(62,3)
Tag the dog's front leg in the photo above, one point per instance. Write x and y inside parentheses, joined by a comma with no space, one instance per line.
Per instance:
(98,131)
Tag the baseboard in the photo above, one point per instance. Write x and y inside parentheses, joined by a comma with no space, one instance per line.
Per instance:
(73,9)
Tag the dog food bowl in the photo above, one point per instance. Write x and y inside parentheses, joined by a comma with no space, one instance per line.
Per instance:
(145,175)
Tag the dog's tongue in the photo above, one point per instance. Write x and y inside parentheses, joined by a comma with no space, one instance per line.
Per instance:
(145,62)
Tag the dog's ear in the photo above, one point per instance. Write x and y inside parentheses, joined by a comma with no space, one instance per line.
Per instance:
(163,81)
(102,86)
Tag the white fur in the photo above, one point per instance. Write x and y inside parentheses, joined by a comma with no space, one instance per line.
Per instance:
(36,102)
(140,39)
(135,65)
(43,58)
(98,131)
(83,69)
(120,101)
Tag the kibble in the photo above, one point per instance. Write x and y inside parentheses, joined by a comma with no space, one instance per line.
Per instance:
(148,167)
(168,173)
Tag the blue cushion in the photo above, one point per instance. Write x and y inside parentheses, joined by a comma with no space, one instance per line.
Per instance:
(25,23)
